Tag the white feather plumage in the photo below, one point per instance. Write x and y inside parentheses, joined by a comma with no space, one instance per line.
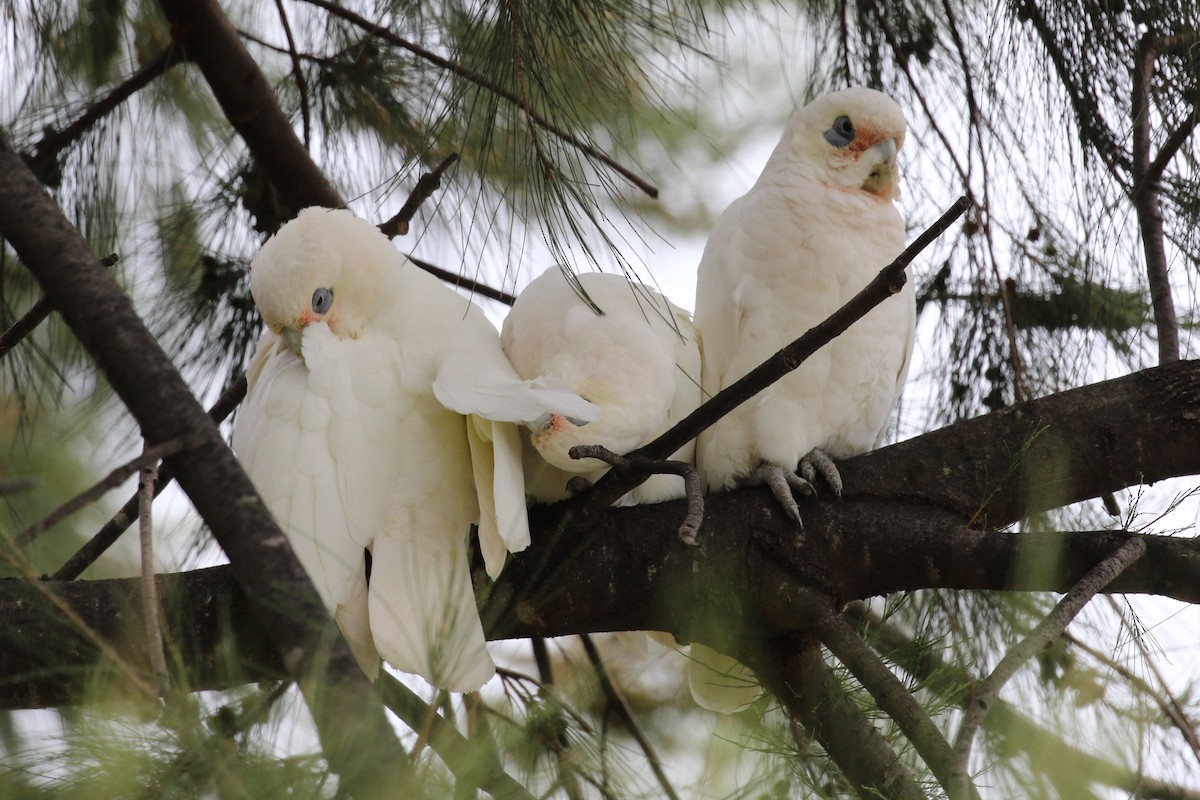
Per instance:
(817,226)
(351,449)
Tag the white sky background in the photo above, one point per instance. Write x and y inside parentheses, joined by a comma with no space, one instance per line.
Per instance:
(766,64)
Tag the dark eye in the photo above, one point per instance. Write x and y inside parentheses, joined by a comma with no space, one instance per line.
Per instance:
(842,132)
(322,300)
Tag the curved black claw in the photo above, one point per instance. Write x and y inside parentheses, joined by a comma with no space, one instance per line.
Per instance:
(818,462)
(783,484)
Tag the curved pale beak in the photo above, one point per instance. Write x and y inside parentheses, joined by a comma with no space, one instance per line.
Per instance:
(541,422)
(884,179)
(292,338)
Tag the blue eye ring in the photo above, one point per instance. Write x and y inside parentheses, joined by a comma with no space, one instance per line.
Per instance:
(322,300)
(842,133)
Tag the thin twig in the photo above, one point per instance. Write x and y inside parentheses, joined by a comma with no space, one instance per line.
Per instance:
(1169,704)
(1146,188)
(457,752)
(427,184)
(475,287)
(638,468)
(149,456)
(297,72)
(120,522)
(889,281)
(154,637)
(811,695)
(616,701)
(36,314)
(568,774)
(985,692)
(595,154)
(892,696)
(16,485)
(53,143)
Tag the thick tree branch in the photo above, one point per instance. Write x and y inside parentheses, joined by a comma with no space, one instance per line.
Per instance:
(355,734)
(210,42)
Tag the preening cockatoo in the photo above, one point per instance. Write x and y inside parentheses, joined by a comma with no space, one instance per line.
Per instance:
(816,227)
(638,361)
(353,431)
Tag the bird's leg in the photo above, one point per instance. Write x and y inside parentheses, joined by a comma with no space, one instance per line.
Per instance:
(818,462)
(783,483)
(638,468)
(577,485)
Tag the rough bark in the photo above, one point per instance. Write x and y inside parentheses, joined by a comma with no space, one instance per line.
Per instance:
(902,526)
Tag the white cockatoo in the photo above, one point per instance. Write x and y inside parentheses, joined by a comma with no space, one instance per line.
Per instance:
(353,431)
(815,228)
(625,348)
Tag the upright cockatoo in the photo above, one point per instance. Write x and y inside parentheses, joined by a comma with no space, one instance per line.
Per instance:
(814,230)
(349,435)
(816,227)
(638,360)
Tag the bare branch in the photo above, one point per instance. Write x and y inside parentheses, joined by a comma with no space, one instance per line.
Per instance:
(148,457)
(888,282)
(53,143)
(616,701)
(454,67)
(427,184)
(1046,631)
(894,698)
(1146,189)
(154,638)
(35,316)
(461,281)
(120,522)
(811,694)
(297,72)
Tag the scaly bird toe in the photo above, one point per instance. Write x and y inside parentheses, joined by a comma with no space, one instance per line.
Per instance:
(818,462)
(783,484)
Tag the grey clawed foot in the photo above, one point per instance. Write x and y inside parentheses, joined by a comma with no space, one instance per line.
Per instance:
(783,484)
(818,462)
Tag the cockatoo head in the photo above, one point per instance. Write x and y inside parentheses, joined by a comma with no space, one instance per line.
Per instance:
(325,266)
(850,138)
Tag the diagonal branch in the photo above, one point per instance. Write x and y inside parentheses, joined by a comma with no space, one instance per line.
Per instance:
(1146,189)
(427,184)
(811,695)
(893,697)
(375,29)
(55,142)
(148,457)
(35,316)
(985,693)
(617,701)
(888,282)
(120,522)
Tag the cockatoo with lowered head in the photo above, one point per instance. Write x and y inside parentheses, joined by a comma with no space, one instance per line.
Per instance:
(815,228)
(628,350)
(353,431)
